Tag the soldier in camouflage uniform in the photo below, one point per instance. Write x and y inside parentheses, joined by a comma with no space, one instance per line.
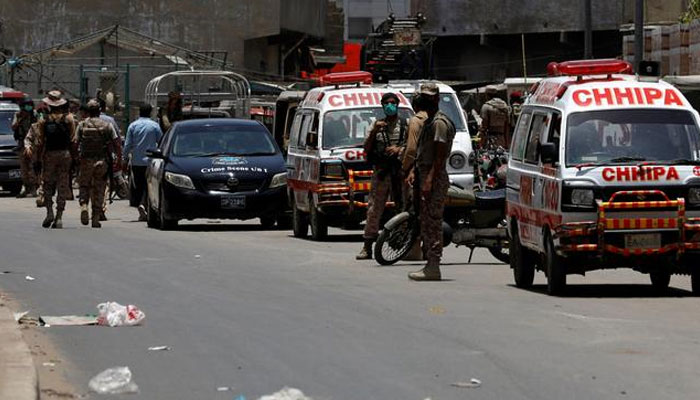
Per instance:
(495,120)
(21,125)
(55,148)
(95,136)
(430,173)
(384,146)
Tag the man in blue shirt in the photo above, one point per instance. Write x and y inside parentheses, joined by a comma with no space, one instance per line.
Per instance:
(143,134)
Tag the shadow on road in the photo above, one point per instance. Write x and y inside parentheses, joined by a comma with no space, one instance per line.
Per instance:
(343,238)
(612,291)
(220,228)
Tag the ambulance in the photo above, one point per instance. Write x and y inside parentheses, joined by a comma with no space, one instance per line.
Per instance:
(328,175)
(604,173)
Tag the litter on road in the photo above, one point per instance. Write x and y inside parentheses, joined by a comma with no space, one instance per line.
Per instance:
(68,320)
(29,278)
(472,384)
(48,364)
(223,389)
(114,314)
(115,380)
(159,348)
(286,394)
(19,315)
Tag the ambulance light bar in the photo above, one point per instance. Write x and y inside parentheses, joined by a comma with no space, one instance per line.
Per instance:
(590,67)
(345,78)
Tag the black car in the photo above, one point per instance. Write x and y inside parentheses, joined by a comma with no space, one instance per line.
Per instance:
(216,168)
(10,176)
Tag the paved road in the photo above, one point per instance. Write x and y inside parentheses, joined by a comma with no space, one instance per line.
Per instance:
(260,310)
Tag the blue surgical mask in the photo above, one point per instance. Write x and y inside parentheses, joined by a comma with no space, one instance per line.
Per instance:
(390,109)
(28,108)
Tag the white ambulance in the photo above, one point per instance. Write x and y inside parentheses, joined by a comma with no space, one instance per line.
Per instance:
(328,176)
(604,172)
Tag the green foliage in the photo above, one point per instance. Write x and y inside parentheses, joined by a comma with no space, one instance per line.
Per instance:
(692,13)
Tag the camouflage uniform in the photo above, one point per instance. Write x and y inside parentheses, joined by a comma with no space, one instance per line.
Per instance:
(94,136)
(22,126)
(30,146)
(495,115)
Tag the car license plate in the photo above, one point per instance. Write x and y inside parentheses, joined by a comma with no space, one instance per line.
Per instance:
(232,202)
(643,241)
(15,174)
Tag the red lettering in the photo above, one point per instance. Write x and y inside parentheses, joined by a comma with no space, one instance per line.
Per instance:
(651,95)
(672,174)
(622,95)
(608,174)
(637,174)
(672,98)
(638,94)
(403,99)
(350,155)
(350,99)
(623,173)
(600,95)
(335,100)
(366,99)
(377,98)
(649,173)
(659,171)
(579,98)
(360,154)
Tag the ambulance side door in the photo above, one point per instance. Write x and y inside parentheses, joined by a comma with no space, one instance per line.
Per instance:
(308,157)
(294,158)
(516,170)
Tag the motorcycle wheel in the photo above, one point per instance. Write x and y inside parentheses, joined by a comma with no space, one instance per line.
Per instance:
(393,244)
(502,254)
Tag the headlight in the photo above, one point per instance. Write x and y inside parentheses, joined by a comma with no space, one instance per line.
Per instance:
(278,180)
(457,161)
(582,197)
(334,170)
(182,181)
(694,195)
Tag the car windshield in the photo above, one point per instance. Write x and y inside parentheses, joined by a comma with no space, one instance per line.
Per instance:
(347,128)
(209,140)
(450,106)
(618,136)
(6,122)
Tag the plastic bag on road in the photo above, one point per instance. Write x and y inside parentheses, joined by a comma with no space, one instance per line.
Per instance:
(115,380)
(286,394)
(114,314)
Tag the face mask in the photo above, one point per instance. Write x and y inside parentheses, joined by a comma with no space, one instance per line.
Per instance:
(28,108)
(390,109)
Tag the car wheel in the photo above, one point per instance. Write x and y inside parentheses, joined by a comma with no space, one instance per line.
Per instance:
(166,224)
(284,222)
(152,219)
(300,223)
(13,188)
(556,270)
(660,280)
(319,227)
(267,222)
(521,262)
(695,280)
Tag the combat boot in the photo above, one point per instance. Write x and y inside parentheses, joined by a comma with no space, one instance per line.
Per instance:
(431,272)
(58,221)
(84,215)
(96,221)
(366,252)
(49,217)
(103,217)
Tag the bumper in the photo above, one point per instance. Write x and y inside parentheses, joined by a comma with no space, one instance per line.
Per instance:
(9,170)
(607,236)
(191,204)
(346,198)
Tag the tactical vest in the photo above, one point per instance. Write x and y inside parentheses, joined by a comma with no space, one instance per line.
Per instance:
(94,136)
(56,134)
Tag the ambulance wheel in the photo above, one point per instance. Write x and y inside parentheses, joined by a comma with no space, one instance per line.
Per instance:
(267,222)
(555,268)
(319,227)
(300,222)
(695,281)
(521,262)
(152,217)
(660,280)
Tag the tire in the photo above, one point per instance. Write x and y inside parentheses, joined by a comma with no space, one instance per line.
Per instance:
(393,244)
(319,227)
(300,222)
(556,270)
(284,222)
(502,254)
(521,262)
(166,224)
(13,188)
(695,280)
(267,222)
(152,219)
(660,280)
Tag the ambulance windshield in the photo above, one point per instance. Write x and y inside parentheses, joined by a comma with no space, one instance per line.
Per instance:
(624,136)
(347,128)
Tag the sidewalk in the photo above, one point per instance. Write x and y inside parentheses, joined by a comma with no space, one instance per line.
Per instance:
(18,377)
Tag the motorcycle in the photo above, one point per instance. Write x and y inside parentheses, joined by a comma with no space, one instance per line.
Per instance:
(490,167)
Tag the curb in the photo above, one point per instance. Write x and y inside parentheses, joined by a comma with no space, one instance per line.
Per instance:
(18,376)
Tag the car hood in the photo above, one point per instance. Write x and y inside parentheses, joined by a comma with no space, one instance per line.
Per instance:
(240,166)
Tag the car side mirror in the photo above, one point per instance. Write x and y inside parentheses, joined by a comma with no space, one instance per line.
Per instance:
(155,153)
(549,153)
(312,139)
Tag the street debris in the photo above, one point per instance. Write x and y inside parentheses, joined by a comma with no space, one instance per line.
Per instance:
(48,364)
(19,315)
(159,348)
(30,278)
(472,384)
(68,320)
(437,310)
(286,394)
(197,256)
(114,314)
(115,380)
(223,389)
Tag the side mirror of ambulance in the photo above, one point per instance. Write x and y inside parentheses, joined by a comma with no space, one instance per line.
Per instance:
(312,139)
(549,153)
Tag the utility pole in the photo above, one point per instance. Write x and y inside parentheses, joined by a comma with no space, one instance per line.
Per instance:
(638,33)
(588,37)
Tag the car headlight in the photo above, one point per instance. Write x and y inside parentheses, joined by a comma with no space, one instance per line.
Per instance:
(457,161)
(694,195)
(582,197)
(179,180)
(279,180)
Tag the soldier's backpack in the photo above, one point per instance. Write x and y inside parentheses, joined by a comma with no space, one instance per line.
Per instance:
(94,137)
(57,134)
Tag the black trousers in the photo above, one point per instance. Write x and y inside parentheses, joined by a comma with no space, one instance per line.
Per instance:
(138,196)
